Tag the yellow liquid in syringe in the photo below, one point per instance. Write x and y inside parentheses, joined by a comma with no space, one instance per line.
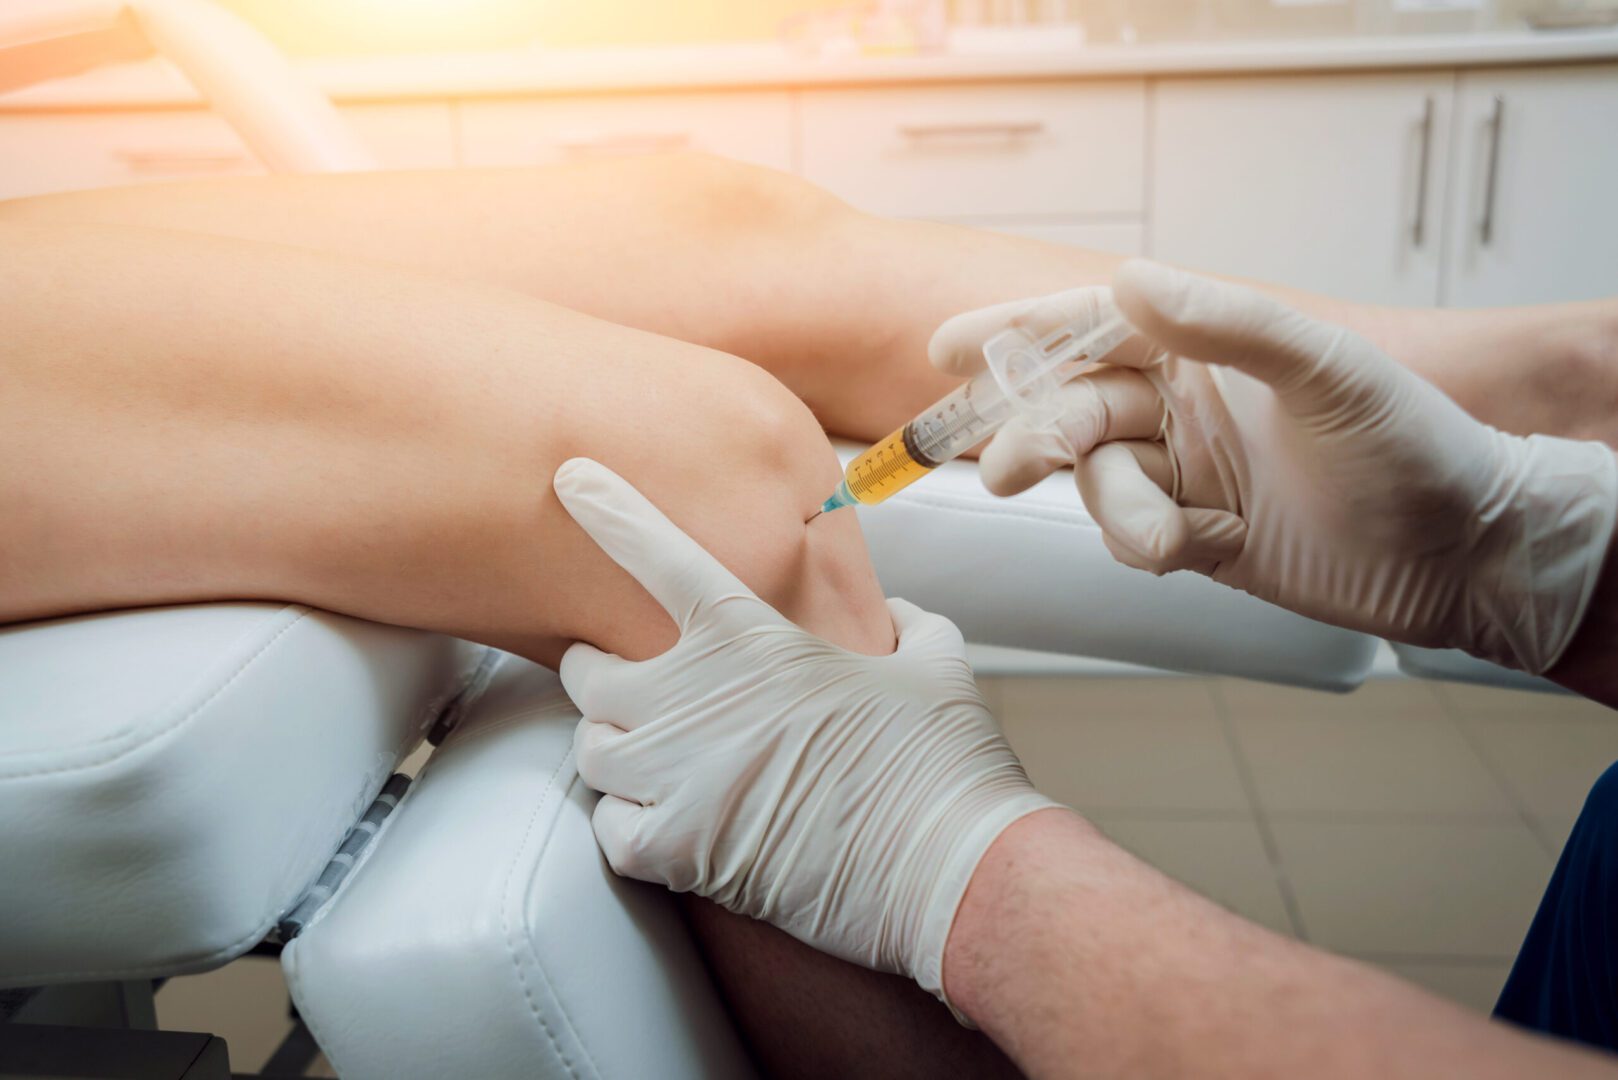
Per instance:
(881,472)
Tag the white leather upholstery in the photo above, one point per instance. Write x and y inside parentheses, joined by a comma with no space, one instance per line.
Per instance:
(1455,666)
(481,933)
(1032,572)
(171,780)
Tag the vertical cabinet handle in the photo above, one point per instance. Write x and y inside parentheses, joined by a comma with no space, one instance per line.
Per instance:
(1424,168)
(1491,177)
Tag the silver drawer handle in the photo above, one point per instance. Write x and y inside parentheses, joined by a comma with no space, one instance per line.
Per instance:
(1491,179)
(639,143)
(156,161)
(1009,130)
(1418,227)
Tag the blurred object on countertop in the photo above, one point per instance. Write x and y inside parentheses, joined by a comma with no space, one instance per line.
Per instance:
(929,27)
(1573,15)
(874,27)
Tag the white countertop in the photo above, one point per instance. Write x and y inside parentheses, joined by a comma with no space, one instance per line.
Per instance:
(768,65)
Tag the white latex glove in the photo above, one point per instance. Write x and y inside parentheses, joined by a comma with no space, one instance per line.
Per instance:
(844,798)
(1300,464)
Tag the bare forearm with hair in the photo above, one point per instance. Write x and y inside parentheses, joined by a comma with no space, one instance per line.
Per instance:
(837,304)
(1082,961)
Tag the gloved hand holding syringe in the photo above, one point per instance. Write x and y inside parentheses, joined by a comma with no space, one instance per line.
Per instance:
(1024,372)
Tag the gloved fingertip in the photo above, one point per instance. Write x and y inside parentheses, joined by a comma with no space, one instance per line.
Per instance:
(1020,457)
(1163,538)
(951,353)
(1150,293)
(588,738)
(1005,476)
(904,614)
(618,830)
(913,624)
(577,671)
(1216,535)
(1128,556)
(572,471)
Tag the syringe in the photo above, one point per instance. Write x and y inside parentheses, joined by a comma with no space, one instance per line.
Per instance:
(1023,376)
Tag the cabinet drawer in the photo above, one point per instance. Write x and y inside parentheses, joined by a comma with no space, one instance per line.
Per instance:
(1036,149)
(45,152)
(748,127)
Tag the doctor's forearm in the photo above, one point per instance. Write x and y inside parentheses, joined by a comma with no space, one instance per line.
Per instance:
(1081,961)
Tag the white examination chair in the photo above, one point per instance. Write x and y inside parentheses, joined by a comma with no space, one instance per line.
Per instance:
(181,786)
(178,784)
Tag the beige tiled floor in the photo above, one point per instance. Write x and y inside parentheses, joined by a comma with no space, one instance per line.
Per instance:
(1411,824)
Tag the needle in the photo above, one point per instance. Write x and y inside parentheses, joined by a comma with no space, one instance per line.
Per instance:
(814,515)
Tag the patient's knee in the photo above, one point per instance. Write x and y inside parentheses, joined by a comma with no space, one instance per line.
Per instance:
(772,468)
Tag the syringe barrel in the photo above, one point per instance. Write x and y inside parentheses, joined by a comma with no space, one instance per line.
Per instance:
(1023,375)
(958,422)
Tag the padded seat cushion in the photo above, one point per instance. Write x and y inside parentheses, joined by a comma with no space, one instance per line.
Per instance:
(482,934)
(172,779)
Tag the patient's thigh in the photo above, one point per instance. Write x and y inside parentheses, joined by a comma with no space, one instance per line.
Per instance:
(203,419)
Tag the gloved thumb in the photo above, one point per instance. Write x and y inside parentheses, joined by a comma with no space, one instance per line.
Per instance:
(1216,322)
(1142,526)
(916,627)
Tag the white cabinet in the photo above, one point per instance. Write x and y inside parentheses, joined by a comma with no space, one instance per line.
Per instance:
(1037,149)
(45,152)
(753,127)
(49,151)
(1330,183)
(1534,216)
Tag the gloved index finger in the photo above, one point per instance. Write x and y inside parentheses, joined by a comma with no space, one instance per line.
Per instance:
(675,569)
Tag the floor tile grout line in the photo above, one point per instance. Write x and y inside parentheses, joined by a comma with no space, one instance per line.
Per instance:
(1244,775)
(1457,719)
(1169,815)
(1479,819)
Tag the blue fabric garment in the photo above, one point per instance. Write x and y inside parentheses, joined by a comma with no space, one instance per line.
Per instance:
(1565,980)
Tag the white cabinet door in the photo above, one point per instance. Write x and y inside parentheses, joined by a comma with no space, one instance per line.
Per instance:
(46,152)
(1036,149)
(1329,183)
(754,127)
(1535,213)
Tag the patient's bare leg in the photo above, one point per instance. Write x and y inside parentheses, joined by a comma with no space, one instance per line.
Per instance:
(765,266)
(185,418)
(188,418)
